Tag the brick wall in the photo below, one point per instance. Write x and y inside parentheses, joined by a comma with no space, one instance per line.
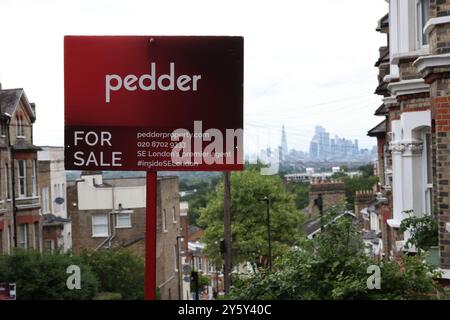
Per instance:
(439,79)
(134,238)
(331,191)
(441,106)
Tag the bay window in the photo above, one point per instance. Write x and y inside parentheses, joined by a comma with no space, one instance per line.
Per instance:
(34,178)
(422,16)
(22,177)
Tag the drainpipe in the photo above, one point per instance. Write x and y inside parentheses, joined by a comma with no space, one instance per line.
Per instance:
(113,222)
(113,231)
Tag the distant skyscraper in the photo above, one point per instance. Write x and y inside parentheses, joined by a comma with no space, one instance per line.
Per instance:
(284,147)
(322,147)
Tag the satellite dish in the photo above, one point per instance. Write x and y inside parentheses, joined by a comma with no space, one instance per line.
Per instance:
(59,200)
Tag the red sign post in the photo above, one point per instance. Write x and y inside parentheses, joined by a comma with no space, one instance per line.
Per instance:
(148,103)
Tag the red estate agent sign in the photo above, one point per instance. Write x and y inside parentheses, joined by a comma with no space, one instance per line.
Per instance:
(153,103)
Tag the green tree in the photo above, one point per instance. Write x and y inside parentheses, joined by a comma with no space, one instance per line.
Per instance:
(201,189)
(43,276)
(249,227)
(424,230)
(118,271)
(367,170)
(300,192)
(334,266)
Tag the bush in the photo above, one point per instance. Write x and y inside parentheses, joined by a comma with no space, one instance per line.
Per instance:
(119,271)
(423,230)
(334,266)
(43,276)
(108,296)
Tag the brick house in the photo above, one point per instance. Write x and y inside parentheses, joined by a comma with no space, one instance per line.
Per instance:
(56,228)
(109,213)
(20,224)
(414,136)
(325,194)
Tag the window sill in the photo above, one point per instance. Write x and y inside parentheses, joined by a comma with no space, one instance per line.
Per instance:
(27,198)
(100,236)
(124,227)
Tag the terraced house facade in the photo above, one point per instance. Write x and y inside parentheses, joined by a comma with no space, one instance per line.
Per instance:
(20,223)
(414,135)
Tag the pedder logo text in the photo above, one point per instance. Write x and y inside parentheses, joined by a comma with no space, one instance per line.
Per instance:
(151,82)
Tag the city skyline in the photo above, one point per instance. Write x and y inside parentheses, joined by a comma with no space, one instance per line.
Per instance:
(323,146)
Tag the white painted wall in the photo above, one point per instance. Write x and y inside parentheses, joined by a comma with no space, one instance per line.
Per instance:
(101,198)
(408,165)
(57,177)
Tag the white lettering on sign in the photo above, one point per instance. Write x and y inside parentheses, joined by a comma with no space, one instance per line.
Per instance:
(150,82)
(96,158)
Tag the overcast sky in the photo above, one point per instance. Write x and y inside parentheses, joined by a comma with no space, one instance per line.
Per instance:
(307,63)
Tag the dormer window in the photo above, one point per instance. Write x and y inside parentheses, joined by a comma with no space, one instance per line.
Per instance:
(19,126)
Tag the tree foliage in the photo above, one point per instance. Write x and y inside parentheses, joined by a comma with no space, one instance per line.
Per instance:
(118,270)
(334,266)
(43,276)
(300,192)
(423,231)
(249,218)
(115,273)
(201,189)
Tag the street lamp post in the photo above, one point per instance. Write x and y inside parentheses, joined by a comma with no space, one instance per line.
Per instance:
(267,201)
(180,281)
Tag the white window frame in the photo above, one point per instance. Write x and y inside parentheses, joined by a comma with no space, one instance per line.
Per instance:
(55,195)
(45,200)
(96,234)
(200,264)
(19,127)
(175,256)
(22,179)
(174,214)
(8,195)
(164,220)
(34,177)
(428,187)
(63,195)
(420,24)
(8,240)
(23,236)
(126,213)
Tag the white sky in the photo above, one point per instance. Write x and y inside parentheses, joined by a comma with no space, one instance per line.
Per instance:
(307,62)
